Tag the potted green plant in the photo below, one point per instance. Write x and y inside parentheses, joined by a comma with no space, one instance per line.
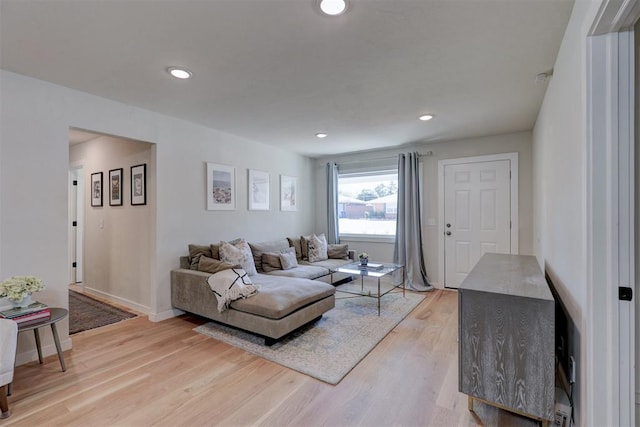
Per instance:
(18,289)
(364,258)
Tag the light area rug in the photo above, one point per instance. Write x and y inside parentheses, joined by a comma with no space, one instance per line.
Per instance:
(330,347)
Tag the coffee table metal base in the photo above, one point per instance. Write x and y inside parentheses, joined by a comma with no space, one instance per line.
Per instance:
(356,269)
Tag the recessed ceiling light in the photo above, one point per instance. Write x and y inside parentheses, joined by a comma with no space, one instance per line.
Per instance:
(426,117)
(180,73)
(322,135)
(333,7)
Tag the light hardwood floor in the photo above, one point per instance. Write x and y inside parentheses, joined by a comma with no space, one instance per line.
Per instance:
(140,373)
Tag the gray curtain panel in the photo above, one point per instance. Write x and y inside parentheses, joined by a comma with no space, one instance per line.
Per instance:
(408,245)
(332,203)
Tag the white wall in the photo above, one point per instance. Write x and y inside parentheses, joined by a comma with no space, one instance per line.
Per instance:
(35,117)
(117,239)
(559,168)
(516,142)
(33,194)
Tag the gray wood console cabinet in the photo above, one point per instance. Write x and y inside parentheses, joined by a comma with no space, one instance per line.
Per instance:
(506,336)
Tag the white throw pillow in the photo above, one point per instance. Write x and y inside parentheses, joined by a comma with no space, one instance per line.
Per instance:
(238,254)
(288,259)
(318,248)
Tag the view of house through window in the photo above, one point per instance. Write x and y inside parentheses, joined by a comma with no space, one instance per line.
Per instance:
(368,203)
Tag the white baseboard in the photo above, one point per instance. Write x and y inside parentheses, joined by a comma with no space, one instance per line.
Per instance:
(159,317)
(122,301)
(154,317)
(47,350)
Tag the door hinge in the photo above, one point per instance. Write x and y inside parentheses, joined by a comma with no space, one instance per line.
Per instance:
(625,294)
(74,265)
(75,182)
(510,225)
(74,224)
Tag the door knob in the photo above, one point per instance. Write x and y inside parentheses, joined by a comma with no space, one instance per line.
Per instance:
(448,233)
(448,225)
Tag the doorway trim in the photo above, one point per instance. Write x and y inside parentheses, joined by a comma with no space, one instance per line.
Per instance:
(513,159)
(76,212)
(610,199)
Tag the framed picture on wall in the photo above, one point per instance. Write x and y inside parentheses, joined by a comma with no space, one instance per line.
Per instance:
(288,193)
(221,187)
(96,189)
(115,187)
(139,184)
(258,190)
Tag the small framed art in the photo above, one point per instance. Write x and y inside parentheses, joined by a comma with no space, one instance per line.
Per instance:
(258,190)
(288,192)
(96,189)
(221,187)
(115,187)
(139,184)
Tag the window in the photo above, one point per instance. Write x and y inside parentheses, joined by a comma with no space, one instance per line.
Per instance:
(368,204)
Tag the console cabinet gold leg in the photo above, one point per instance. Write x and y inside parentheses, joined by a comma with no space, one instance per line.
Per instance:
(545,423)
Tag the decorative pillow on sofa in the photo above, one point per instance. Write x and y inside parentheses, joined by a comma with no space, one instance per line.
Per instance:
(317,248)
(288,259)
(215,250)
(271,262)
(295,243)
(238,254)
(338,251)
(210,265)
(195,252)
(273,246)
(304,246)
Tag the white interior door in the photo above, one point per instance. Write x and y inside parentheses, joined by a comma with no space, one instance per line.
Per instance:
(477,215)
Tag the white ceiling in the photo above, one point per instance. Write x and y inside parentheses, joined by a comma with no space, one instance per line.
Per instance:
(277,71)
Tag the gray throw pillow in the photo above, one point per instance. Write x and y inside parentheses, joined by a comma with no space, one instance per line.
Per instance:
(288,260)
(294,242)
(338,251)
(195,252)
(271,262)
(215,251)
(274,246)
(213,266)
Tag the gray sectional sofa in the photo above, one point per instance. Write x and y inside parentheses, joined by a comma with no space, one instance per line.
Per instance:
(287,299)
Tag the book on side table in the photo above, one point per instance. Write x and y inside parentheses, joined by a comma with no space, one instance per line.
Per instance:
(372,266)
(35,311)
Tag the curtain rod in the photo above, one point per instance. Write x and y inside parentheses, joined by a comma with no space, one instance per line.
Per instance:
(367,160)
(428,153)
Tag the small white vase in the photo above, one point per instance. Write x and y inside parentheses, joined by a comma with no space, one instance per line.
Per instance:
(24,302)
